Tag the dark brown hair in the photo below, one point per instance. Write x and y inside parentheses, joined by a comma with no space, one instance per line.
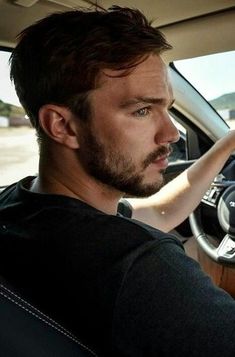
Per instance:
(57,60)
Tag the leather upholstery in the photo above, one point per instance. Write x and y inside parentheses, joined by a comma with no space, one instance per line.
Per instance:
(26,332)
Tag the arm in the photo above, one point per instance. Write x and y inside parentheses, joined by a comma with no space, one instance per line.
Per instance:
(167,306)
(177,199)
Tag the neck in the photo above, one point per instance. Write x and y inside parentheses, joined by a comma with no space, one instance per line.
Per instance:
(74,182)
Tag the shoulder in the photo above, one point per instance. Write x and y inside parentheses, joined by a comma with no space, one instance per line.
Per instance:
(130,228)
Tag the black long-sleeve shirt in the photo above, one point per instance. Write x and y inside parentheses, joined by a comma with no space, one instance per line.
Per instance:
(123,287)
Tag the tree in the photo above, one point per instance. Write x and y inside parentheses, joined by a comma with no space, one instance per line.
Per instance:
(5,109)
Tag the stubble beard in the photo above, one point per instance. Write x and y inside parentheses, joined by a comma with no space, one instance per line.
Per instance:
(114,169)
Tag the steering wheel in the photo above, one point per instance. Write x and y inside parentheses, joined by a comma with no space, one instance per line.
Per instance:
(221,196)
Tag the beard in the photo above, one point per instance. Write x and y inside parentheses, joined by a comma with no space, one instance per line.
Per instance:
(110,167)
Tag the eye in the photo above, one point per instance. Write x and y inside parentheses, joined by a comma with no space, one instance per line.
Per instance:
(142,112)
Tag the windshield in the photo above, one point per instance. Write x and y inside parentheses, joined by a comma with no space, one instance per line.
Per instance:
(214,77)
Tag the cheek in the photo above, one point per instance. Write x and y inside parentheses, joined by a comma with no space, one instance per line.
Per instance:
(110,135)
(133,146)
(132,140)
(138,145)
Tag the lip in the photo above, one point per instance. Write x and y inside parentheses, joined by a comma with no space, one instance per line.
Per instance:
(162,162)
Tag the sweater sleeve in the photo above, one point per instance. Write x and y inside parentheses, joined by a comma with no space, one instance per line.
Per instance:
(167,306)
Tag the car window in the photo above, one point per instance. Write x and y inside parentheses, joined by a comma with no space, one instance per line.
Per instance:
(18,145)
(214,78)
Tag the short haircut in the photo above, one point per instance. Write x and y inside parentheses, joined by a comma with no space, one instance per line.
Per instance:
(58,59)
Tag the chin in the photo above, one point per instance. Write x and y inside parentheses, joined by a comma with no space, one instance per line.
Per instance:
(146,190)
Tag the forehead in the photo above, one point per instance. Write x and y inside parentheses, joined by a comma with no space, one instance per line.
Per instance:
(148,78)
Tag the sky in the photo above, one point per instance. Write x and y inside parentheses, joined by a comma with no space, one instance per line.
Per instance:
(7,91)
(212,75)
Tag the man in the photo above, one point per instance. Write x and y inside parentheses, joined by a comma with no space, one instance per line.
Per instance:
(97,91)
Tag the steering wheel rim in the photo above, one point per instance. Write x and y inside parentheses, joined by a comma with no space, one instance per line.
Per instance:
(225,252)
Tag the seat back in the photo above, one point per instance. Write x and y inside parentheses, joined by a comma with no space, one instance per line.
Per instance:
(25,331)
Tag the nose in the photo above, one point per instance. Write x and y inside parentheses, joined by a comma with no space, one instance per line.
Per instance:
(167,132)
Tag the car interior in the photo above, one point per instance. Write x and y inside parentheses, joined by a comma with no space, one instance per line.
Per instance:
(195,29)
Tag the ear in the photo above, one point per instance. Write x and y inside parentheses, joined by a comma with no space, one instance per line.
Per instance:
(59,124)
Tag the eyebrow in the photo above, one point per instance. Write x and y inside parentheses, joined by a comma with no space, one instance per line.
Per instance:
(148,100)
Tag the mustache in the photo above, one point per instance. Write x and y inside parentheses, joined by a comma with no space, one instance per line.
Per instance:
(156,154)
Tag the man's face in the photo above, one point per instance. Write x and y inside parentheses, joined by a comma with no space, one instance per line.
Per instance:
(126,143)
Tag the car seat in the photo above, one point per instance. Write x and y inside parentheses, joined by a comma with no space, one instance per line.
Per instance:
(27,332)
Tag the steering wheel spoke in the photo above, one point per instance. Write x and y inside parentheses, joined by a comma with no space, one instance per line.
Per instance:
(226,250)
